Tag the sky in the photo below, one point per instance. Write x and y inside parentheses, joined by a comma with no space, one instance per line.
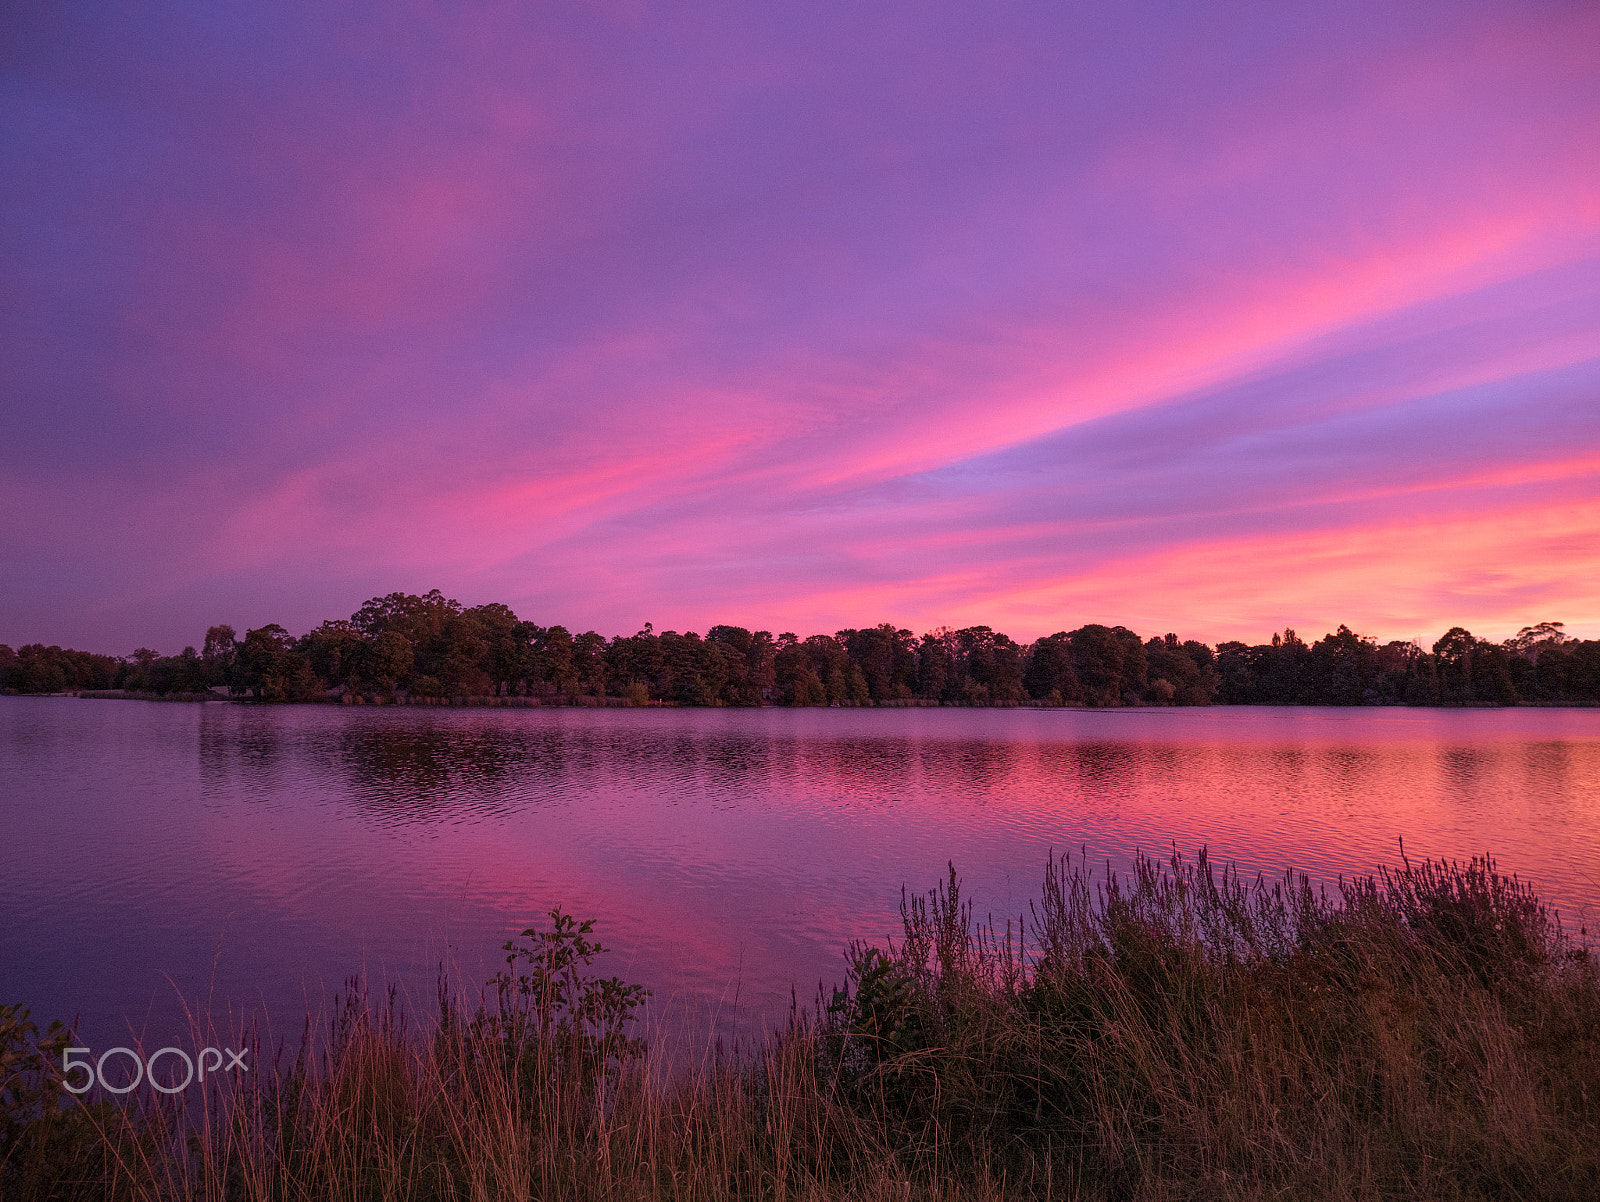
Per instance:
(1212,318)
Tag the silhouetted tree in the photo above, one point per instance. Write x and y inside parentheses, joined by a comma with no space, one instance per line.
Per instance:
(1110,664)
(1049,675)
(1178,673)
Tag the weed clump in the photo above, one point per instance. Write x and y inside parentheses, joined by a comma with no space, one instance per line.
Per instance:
(1429,1031)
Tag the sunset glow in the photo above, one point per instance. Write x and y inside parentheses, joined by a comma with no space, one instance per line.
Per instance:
(802,316)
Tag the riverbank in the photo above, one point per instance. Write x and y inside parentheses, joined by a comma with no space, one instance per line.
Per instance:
(594,702)
(144,695)
(1432,1032)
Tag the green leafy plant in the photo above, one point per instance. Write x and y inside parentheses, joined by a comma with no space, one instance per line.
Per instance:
(46,1135)
(548,998)
(880,1018)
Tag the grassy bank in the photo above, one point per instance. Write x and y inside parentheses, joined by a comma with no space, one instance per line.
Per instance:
(1175,1033)
(143,695)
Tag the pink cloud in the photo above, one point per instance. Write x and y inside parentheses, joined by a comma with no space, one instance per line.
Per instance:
(617,320)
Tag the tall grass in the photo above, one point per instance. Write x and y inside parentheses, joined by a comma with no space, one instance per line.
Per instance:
(1177,1032)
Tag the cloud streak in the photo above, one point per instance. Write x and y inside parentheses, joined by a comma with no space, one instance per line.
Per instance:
(1212,321)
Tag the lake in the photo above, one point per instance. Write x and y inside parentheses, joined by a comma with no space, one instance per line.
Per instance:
(248,859)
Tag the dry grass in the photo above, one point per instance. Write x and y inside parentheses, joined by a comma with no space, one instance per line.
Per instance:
(1178,1033)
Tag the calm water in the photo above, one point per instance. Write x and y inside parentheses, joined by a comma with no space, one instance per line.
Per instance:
(251,858)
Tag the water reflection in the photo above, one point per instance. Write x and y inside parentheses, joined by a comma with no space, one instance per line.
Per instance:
(259,854)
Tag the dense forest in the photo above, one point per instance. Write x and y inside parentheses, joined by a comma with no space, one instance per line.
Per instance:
(405,648)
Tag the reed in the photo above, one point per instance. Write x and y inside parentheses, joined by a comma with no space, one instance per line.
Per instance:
(1176,1032)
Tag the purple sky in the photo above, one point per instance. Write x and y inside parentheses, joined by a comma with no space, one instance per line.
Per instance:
(1211,318)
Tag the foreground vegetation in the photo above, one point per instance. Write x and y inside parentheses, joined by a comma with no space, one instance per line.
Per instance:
(434,649)
(1178,1033)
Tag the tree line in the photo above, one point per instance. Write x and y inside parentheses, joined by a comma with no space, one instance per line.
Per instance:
(404,646)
